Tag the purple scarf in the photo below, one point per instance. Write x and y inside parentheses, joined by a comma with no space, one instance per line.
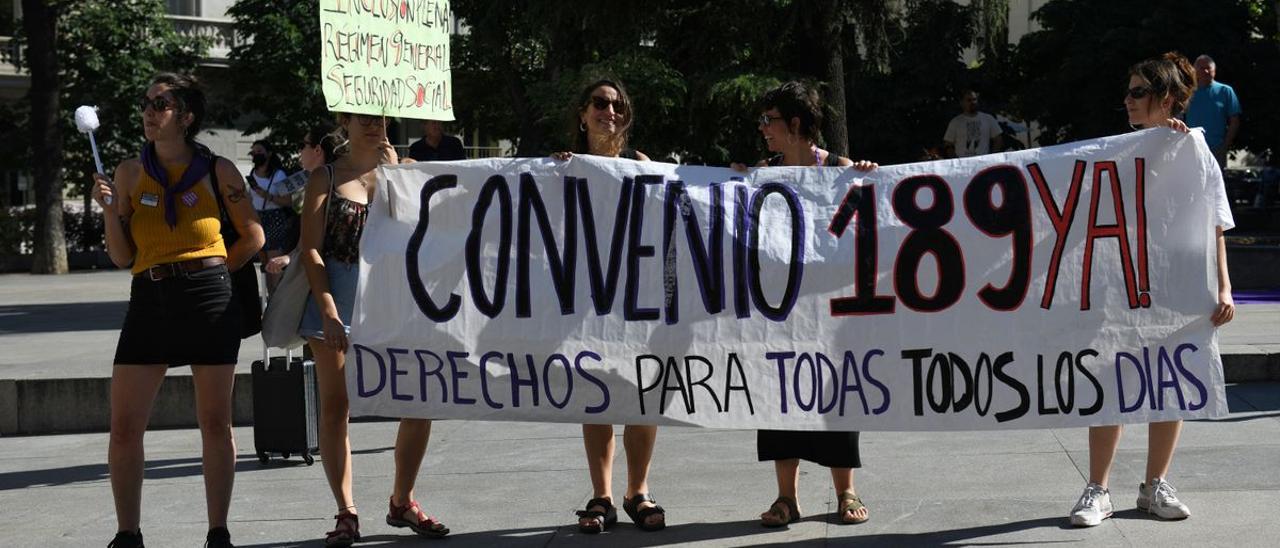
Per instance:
(201,163)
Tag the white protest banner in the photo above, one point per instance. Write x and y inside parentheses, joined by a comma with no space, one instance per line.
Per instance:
(387,57)
(1065,286)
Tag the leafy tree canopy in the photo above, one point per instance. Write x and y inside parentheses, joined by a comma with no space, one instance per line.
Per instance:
(1076,67)
(275,70)
(108,53)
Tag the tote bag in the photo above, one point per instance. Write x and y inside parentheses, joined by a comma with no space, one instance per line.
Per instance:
(285,307)
(288,302)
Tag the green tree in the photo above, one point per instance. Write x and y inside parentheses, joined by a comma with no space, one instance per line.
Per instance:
(118,47)
(40,24)
(696,69)
(1073,87)
(275,70)
(902,108)
(525,61)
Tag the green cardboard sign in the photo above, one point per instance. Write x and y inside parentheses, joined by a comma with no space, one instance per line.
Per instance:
(387,57)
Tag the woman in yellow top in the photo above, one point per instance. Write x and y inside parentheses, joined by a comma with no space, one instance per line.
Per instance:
(162,217)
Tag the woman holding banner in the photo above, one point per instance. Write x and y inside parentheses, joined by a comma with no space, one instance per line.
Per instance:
(791,122)
(1159,89)
(602,119)
(333,216)
(163,216)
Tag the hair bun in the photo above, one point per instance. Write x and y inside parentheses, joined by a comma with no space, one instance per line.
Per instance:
(1186,72)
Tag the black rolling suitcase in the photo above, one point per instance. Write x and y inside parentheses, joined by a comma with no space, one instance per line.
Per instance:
(286,409)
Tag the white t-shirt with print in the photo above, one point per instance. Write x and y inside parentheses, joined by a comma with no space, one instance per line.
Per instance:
(972,135)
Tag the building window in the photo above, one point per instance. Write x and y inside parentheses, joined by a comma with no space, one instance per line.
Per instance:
(8,17)
(184,7)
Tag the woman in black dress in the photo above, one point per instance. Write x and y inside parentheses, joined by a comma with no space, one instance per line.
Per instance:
(602,119)
(790,121)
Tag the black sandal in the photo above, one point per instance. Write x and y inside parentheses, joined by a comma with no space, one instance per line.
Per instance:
(600,521)
(793,513)
(639,516)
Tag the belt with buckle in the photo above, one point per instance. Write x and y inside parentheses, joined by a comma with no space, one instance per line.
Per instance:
(169,270)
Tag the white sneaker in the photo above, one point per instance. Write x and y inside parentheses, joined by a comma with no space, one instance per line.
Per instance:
(1159,499)
(1093,507)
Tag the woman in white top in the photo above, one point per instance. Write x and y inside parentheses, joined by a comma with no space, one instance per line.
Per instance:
(1159,89)
(274,204)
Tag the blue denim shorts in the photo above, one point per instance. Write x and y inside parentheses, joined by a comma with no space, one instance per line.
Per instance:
(342,285)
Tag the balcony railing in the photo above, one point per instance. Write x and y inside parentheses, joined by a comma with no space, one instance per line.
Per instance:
(474,153)
(221,32)
(9,56)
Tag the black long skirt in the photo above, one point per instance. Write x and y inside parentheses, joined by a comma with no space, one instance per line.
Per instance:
(830,449)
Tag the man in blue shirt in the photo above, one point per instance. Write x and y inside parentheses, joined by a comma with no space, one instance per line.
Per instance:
(1215,108)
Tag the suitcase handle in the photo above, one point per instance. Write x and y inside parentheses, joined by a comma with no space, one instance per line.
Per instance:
(266,350)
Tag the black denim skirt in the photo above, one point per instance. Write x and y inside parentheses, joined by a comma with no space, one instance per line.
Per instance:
(189,319)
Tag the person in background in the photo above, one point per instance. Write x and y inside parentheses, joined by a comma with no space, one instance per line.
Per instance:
(790,122)
(162,216)
(602,119)
(334,212)
(1215,108)
(436,146)
(319,147)
(274,203)
(1268,182)
(1158,91)
(971,133)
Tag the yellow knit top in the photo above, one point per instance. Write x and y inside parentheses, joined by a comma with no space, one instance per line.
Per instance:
(197,235)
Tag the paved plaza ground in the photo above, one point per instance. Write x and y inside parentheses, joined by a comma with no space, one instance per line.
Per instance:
(517,484)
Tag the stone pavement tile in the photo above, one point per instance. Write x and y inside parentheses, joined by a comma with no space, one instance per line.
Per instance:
(701,446)
(28,516)
(69,446)
(1236,429)
(981,521)
(172,515)
(1234,519)
(959,443)
(965,477)
(465,456)
(517,484)
(1194,470)
(506,431)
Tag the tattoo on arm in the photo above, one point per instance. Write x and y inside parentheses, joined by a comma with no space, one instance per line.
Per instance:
(235,193)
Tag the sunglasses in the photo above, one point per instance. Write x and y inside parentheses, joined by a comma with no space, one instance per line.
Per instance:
(1138,92)
(367,120)
(601,103)
(157,104)
(765,119)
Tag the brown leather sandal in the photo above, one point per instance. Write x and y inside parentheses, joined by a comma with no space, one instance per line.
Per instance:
(345,533)
(792,514)
(850,503)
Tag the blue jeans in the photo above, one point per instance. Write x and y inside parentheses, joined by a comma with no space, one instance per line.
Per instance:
(342,285)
